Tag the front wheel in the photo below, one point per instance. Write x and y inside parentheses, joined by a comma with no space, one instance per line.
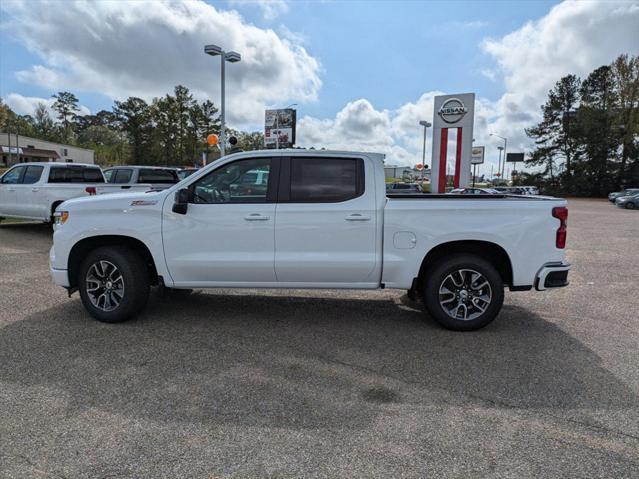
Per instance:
(113,283)
(630,206)
(463,293)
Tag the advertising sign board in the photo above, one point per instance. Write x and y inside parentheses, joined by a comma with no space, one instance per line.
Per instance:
(514,157)
(279,128)
(477,155)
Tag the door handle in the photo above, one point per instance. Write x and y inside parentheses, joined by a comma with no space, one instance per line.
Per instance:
(35,189)
(256,217)
(357,217)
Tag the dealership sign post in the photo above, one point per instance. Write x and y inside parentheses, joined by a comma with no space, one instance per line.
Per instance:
(279,128)
(452,111)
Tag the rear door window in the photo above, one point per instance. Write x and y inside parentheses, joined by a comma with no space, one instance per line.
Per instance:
(326,180)
(149,175)
(70,174)
(32,175)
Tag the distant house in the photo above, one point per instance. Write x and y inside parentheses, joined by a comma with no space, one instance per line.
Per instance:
(24,149)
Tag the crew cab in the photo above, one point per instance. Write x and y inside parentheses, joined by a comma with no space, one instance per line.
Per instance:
(308,219)
(158,178)
(34,190)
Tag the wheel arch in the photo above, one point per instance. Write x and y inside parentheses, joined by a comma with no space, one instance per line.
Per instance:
(86,245)
(489,251)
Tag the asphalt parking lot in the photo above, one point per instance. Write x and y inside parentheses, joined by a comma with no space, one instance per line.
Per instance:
(324,384)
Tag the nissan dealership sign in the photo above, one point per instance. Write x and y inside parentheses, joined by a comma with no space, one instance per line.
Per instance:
(452,110)
(452,114)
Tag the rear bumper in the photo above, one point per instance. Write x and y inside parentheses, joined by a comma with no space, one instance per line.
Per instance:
(553,275)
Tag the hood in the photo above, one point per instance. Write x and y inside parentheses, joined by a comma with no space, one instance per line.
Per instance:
(119,199)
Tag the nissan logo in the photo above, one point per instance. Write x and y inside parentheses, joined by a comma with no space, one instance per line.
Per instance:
(452,110)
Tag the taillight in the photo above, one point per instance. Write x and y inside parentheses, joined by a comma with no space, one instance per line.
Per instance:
(91,190)
(561,213)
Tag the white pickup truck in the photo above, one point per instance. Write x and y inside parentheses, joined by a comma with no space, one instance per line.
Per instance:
(308,219)
(34,190)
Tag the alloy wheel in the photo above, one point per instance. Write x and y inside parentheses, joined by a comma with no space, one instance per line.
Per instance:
(104,285)
(465,294)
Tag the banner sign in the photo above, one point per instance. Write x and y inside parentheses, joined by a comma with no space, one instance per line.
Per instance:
(279,128)
(514,157)
(477,155)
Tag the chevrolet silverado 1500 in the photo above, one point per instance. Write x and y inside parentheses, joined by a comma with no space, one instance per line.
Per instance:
(308,219)
(34,190)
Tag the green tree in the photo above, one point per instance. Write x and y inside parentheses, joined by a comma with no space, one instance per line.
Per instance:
(554,135)
(43,123)
(596,132)
(66,105)
(133,117)
(625,75)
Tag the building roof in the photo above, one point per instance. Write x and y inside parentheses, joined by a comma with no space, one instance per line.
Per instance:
(40,153)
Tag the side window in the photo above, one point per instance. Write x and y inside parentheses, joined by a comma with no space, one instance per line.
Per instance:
(109,176)
(74,174)
(92,175)
(326,180)
(14,176)
(123,176)
(148,175)
(32,175)
(243,181)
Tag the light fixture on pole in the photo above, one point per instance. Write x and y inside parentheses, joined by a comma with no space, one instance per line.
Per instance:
(505,148)
(426,125)
(231,57)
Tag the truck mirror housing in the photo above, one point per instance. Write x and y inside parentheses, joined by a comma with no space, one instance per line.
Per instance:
(181,204)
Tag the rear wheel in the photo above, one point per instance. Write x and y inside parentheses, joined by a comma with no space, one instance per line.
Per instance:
(113,283)
(463,293)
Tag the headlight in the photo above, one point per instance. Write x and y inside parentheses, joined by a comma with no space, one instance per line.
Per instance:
(61,217)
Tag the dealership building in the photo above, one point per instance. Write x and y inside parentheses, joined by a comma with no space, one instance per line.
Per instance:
(24,149)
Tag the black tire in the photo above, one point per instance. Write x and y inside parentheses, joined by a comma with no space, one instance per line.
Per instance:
(135,280)
(630,205)
(446,273)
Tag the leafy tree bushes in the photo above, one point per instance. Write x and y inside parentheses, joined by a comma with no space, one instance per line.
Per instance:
(171,130)
(587,143)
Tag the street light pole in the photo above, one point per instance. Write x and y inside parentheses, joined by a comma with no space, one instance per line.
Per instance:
(231,57)
(222,107)
(500,148)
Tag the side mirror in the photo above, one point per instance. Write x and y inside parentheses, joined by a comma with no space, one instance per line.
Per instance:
(181,203)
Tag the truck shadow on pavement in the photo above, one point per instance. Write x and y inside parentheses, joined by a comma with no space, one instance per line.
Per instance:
(298,361)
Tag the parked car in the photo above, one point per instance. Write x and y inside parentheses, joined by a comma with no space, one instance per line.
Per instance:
(160,178)
(403,188)
(532,190)
(34,190)
(473,191)
(511,190)
(324,221)
(618,194)
(630,202)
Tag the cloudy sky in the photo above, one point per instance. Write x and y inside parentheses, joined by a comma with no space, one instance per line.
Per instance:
(361,73)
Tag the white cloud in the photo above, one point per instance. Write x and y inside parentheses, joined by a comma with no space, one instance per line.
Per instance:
(145,49)
(26,105)
(574,37)
(271,9)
